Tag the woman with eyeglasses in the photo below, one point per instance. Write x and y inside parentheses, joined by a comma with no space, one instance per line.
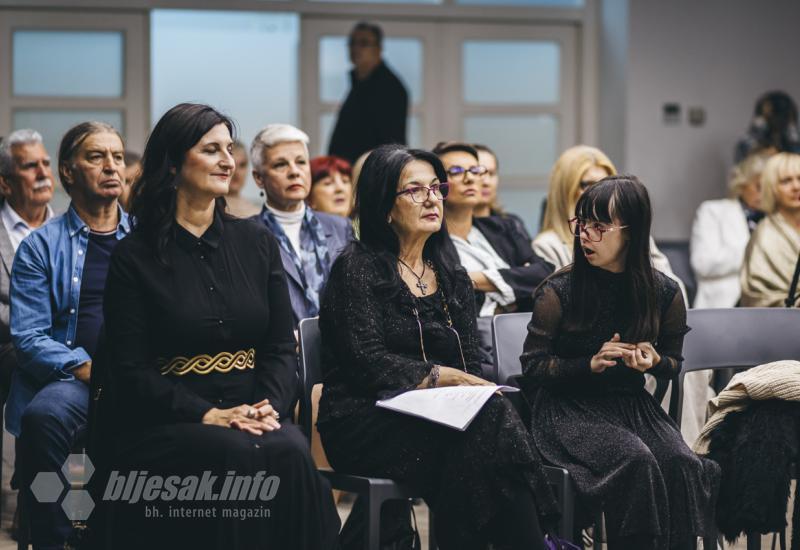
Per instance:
(398,314)
(496,254)
(573,173)
(597,327)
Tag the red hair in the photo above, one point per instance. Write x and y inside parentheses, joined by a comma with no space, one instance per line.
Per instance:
(322,167)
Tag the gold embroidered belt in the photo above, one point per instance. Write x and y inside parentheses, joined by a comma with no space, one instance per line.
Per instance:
(206,364)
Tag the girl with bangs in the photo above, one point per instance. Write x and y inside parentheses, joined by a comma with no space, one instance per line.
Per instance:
(597,326)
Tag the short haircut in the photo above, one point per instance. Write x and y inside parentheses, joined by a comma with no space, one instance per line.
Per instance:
(444,147)
(18,137)
(322,167)
(272,135)
(376,31)
(778,165)
(744,172)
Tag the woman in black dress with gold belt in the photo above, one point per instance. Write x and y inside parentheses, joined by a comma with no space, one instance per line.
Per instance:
(202,355)
(398,314)
(597,326)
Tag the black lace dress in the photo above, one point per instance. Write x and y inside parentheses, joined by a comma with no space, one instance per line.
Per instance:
(371,350)
(624,452)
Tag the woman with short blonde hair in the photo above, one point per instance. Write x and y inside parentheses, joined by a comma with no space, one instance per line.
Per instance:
(773,250)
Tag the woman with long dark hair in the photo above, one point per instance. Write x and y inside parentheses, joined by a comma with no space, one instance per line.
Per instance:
(202,358)
(597,327)
(399,314)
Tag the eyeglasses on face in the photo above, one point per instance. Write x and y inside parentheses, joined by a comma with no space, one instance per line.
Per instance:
(457,172)
(420,193)
(593,230)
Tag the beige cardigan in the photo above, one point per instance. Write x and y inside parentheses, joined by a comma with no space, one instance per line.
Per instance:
(778,380)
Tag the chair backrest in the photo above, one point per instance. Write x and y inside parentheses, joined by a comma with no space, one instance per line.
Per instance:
(738,338)
(310,365)
(508,336)
(677,252)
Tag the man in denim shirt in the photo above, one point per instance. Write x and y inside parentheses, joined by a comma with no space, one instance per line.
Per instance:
(57,284)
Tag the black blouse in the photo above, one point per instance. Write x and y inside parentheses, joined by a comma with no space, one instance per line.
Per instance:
(223,292)
(370,341)
(559,358)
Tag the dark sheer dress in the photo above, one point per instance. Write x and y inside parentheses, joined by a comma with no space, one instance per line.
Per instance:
(371,350)
(624,452)
(223,296)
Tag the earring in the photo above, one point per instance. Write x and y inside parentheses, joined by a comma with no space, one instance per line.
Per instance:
(261,192)
(389,219)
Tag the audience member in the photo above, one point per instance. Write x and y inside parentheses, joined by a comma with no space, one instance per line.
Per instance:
(398,315)
(309,241)
(237,205)
(202,351)
(488,204)
(772,253)
(498,257)
(720,234)
(331,186)
(133,167)
(597,327)
(573,173)
(57,285)
(376,107)
(26,185)
(774,127)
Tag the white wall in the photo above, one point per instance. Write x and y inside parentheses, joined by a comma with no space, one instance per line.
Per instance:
(716,54)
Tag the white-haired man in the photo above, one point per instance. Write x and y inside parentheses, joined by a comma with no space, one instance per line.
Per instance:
(26,186)
(309,241)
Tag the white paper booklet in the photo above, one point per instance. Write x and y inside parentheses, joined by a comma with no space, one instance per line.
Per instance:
(453,406)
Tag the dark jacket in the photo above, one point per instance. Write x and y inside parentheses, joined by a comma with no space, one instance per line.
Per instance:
(373,114)
(756,449)
(527,269)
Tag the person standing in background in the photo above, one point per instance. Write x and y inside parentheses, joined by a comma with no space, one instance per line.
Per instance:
(773,127)
(375,110)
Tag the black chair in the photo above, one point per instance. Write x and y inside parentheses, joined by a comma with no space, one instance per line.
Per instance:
(508,335)
(677,252)
(739,338)
(373,491)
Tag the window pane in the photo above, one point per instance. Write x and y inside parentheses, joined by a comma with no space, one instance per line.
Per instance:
(534,78)
(555,3)
(53,124)
(242,63)
(68,63)
(328,120)
(525,145)
(402,55)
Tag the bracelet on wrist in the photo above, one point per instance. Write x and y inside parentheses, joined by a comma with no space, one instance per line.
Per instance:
(433,377)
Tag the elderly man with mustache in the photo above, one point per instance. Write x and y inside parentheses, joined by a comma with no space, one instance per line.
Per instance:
(26,186)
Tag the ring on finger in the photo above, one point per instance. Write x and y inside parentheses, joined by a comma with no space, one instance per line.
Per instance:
(251,413)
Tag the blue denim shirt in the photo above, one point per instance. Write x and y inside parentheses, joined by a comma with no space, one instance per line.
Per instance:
(45,293)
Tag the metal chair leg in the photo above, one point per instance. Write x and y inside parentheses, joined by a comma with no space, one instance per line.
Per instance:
(372,534)
(753,541)
(431,531)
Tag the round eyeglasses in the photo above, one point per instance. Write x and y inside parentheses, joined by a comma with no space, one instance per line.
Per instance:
(420,194)
(593,230)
